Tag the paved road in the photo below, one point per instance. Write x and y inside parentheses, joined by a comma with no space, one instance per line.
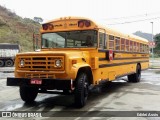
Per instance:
(117,96)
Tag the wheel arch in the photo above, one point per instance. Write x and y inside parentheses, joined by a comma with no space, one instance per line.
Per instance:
(88,71)
(139,64)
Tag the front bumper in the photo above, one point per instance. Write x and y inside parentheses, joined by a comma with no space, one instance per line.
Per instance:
(47,83)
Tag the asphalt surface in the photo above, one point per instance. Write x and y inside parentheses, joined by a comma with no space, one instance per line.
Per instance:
(116,96)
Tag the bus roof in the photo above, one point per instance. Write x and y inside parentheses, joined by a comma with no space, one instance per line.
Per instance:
(69,18)
(107,29)
(116,33)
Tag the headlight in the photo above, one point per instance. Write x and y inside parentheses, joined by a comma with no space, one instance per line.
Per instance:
(58,63)
(22,63)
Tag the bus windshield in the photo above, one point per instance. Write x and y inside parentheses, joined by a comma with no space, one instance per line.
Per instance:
(70,39)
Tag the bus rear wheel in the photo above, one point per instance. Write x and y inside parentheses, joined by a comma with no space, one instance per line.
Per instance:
(136,76)
(81,90)
(28,94)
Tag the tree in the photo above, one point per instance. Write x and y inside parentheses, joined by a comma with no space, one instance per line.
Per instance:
(157,41)
(38,19)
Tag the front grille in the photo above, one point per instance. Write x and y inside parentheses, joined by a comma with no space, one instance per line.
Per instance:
(33,75)
(39,63)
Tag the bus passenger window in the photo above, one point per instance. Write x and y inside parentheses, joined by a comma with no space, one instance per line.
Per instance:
(131,46)
(141,47)
(102,40)
(144,48)
(138,47)
(135,47)
(123,44)
(111,42)
(147,49)
(127,45)
(117,40)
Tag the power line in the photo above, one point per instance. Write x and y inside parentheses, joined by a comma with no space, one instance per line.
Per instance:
(134,16)
(134,21)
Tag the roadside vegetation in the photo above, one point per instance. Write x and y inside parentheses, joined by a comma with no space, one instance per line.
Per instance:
(15,29)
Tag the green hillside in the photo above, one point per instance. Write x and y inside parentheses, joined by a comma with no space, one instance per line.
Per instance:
(15,29)
(147,36)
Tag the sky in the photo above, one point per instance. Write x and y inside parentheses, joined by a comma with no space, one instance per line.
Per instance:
(127,16)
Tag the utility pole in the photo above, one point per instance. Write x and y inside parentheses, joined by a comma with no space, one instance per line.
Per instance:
(152,43)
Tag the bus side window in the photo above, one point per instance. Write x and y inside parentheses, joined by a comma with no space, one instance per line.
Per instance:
(141,47)
(135,46)
(127,45)
(106,41)
(138,47)
(122,44)
(111,42)
(131,46)
(117,40)
(144,48)
(147,49)
(102,40)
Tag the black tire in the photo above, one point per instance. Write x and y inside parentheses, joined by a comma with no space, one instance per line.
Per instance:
(136,77)
(1,63)
(9,63)
(28,94)
(81,90)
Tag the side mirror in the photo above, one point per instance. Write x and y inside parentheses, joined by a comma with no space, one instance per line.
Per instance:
(36,42)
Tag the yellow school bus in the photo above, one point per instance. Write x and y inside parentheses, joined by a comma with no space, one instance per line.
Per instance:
(77,53)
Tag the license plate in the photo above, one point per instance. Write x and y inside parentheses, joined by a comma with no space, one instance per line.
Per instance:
(36,81)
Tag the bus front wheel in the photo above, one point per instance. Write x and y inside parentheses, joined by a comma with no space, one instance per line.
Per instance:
(28,94)
(136,76)
(81,90)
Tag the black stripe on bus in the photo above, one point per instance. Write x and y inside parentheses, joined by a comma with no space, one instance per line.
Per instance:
(127,52)
(118,64)
(102,59)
